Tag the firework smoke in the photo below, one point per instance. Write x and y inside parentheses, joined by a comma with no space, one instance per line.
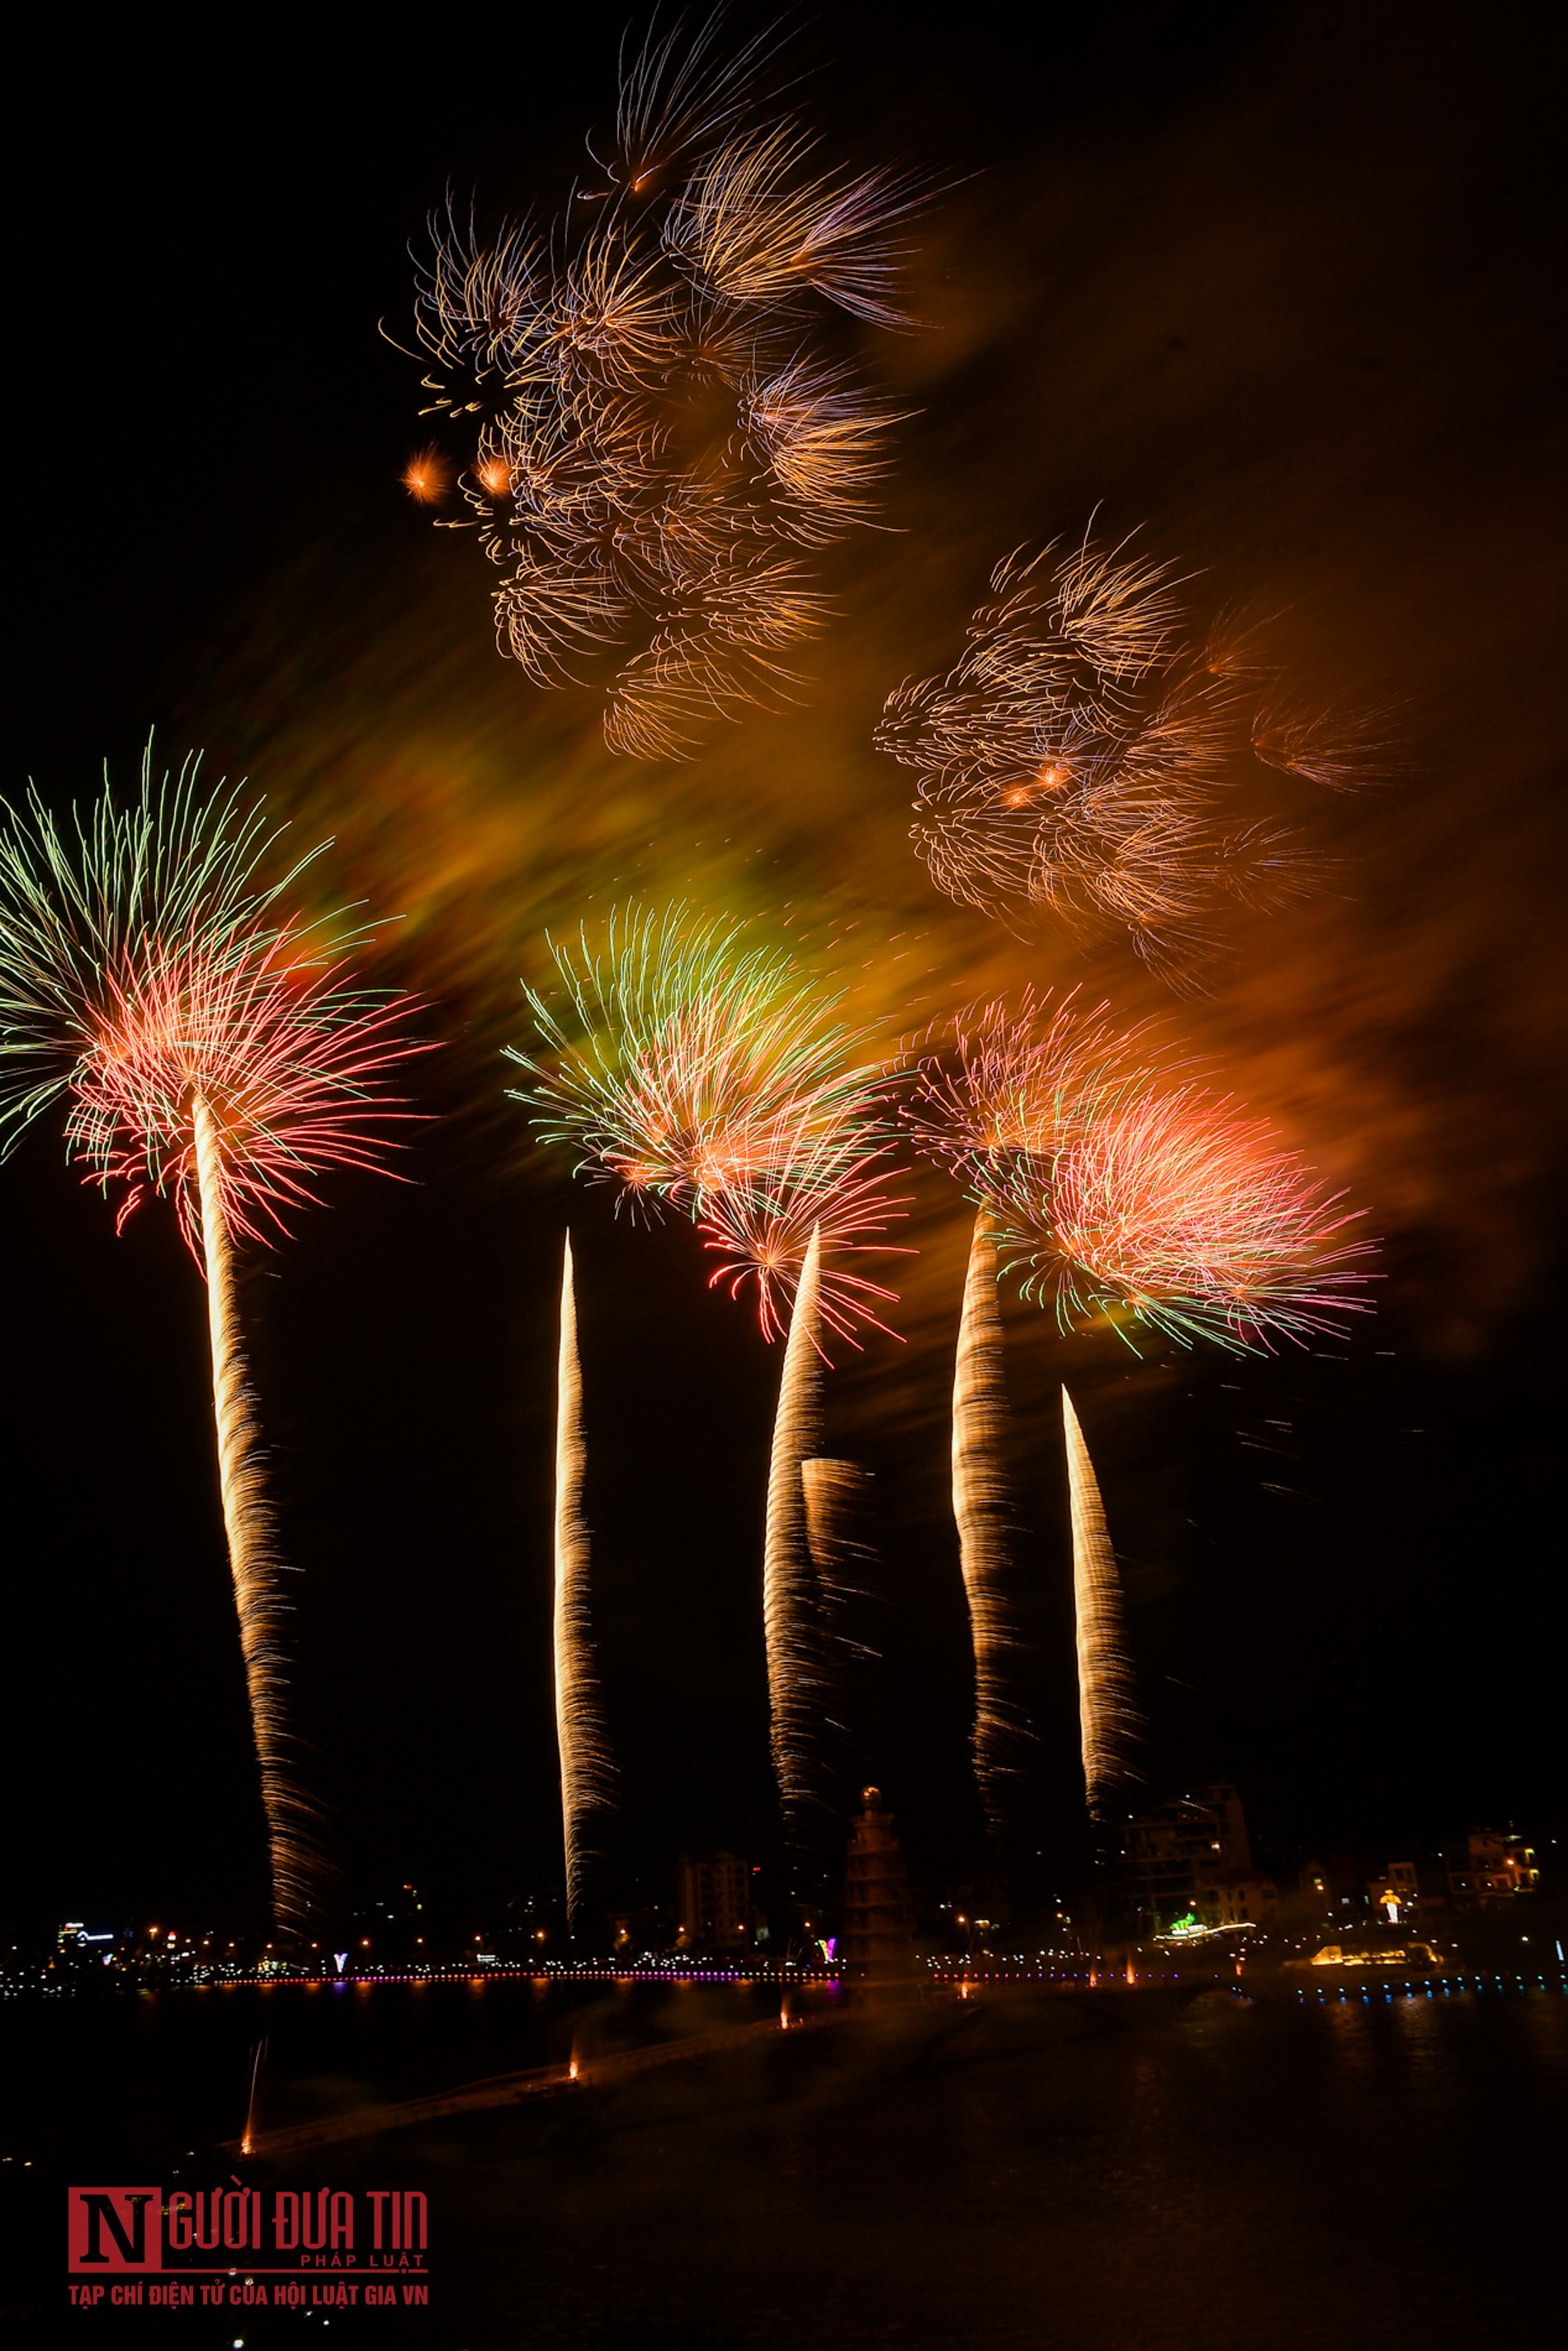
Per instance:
(658,432)
(586,1773)
(1109,1720)
(980,1508)
(788,1610)
(1075,761)
(202,1050)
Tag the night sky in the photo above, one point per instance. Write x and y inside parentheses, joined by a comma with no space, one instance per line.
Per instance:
(1272,283)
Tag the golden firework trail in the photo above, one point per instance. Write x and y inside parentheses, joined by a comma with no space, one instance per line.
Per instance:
(788,1594)
(295,1862)
(836,1496)
(1108,1715)
(840,1540)
(586,1771)
(980,1508)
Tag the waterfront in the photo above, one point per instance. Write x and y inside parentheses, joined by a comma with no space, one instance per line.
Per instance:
(1102,2168)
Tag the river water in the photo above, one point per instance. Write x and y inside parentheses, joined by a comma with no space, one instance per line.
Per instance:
(1109,2170)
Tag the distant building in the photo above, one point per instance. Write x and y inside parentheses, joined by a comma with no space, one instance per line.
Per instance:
(1236,1898)
(1395,1891)
(1193,1857)
(1496,1867)
(712,1901)
(79,1946)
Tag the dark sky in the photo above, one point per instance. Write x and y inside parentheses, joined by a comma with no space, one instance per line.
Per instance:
(1274,284)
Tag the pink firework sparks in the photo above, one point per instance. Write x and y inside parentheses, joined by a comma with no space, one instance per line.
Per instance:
(288,1062)
(837,1185)
(1005,1081)
(1175,1208)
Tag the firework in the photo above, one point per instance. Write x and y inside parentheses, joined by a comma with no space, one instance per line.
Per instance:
(697,1071)
(1172,1209)
(1109,1722)
(654,422)
(85,905)
(1112,1188)
(586,1774)
(837,1496)
(283,1058)
(693,1070)
(840,1540)
(980,1508)
(254,1561)
(831,1194)
(1076,760)
(202,1050)
(789,1613)
(1005,1083)
(681,1054)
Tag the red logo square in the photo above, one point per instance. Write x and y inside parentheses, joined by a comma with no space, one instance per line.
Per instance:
(115,2228)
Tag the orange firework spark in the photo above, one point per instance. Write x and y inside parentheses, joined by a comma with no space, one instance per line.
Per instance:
(427,476)
(982,1513)
(587,1773)
(1110,1725)
(789,1615)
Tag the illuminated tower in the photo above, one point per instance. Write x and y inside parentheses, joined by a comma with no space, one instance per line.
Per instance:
(879,1917)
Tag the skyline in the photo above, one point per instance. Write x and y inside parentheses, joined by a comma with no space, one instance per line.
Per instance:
(323,642)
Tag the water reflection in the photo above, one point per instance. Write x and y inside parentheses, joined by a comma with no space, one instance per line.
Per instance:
(1080,2167)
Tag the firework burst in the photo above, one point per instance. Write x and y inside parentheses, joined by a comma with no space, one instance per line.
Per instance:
(829,1191)
(282,1059)
(1112,1189)
(202,1050)
(653,424)
(1077,760)
(1001,1081)
(694,1070)
(1172,1209)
